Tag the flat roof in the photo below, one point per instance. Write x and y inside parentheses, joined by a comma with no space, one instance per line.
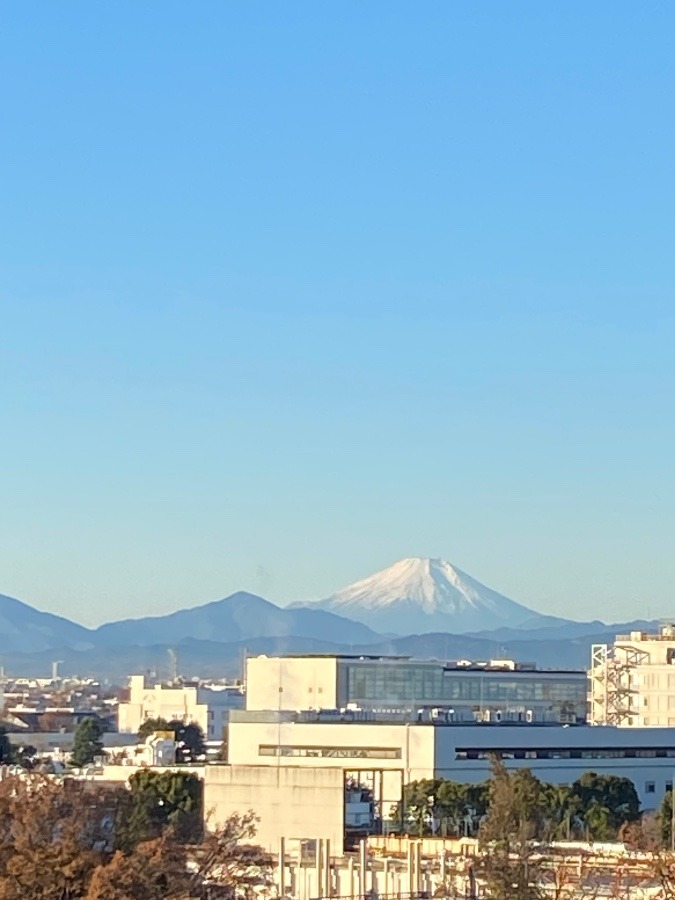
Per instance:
(449,665)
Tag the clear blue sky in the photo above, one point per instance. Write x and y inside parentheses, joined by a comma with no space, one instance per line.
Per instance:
(292,290)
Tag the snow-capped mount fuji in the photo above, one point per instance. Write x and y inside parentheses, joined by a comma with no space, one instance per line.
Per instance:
(419,595)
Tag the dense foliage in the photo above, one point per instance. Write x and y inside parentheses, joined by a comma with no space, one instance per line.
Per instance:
(87,743)
(595,806)
(189,737)
(157,801)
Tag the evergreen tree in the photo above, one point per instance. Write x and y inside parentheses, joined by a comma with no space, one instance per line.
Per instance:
(158,801)
(6,751)
(87,744)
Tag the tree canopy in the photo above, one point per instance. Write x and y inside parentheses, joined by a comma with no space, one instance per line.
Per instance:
(157,801)
(87,743)
(189,737)
(595,806)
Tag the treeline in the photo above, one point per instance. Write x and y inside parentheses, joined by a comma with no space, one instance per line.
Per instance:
(523,815)
(596,807)
(73,840)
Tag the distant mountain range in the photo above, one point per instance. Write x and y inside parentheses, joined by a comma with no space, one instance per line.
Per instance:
(241,616)
(417,607)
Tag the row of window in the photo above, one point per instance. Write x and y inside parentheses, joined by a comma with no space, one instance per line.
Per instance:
(428,684)
(565,753)
(331,752)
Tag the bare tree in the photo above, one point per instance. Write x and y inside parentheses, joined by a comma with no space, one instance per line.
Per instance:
(227,865)
(510,867)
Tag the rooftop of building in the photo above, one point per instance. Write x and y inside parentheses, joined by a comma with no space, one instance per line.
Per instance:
(492,665)
(423,715)
(666,632)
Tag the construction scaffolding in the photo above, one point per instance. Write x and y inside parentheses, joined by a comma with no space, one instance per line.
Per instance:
(614,688)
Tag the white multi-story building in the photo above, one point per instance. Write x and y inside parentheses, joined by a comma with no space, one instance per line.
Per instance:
(208,707)
(463,691)
(401,752)
(632,681)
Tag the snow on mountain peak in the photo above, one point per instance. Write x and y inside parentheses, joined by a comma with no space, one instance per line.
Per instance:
(423,594)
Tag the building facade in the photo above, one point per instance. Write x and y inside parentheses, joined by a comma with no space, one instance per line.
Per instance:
(207,707)
(403,751)
(499,690)
(632,681)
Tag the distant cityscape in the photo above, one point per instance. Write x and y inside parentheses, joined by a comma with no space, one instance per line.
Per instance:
(359,736)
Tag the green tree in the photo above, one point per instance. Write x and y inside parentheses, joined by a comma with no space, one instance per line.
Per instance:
(6,750)
(189,737)
(418,801)
(150,726)
(87,744)
(604,803)
(190,744)
(157,802)
(559,810)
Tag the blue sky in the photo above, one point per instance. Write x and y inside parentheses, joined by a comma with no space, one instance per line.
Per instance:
(290,291)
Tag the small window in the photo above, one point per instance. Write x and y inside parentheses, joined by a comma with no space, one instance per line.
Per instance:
(650,787)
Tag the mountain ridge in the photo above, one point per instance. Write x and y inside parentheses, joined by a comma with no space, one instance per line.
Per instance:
(424,593)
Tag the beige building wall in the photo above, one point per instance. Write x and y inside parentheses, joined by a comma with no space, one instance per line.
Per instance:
(400,748)
(291,802)
(632,682)
(291,682)
(160,702)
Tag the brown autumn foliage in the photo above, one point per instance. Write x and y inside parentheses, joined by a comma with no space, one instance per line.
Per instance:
(57,842)
(155,870)
(222,867)
(52,836)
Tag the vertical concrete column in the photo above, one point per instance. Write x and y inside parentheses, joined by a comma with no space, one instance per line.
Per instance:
(327,881)
(418,867)
(350,876)
(281,877)
(319,867)
(410,863)
(363,869)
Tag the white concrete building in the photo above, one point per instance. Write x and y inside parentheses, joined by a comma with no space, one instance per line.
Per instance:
(291,803)
(632,681)
(408,751)
(207,707)
(498,690)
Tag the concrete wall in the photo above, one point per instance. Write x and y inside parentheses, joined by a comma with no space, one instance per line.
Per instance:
(397,746)
(290,682)
(425,750)
(293,803)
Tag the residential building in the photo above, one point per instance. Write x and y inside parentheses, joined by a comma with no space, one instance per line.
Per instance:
(632,681)
(208,707)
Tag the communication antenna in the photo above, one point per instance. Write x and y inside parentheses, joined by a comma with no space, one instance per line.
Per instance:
(173,664)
